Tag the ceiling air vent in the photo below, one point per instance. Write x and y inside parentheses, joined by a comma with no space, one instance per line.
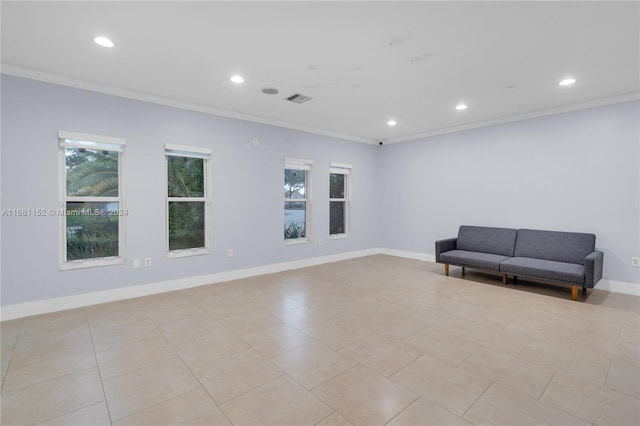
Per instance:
(298,98)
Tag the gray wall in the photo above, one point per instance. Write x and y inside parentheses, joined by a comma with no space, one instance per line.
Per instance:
(247,207)
(576,171)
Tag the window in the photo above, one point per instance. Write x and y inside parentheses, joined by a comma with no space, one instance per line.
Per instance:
(297,198)
(92,206)
(187,200)
(339,199)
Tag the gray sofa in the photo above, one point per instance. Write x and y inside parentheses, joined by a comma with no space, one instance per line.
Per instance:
(567,258)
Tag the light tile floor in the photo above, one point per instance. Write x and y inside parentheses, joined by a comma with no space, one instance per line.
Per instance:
(375,340)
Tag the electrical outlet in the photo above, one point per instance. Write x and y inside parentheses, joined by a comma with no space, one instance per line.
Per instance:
(320,242)
(230,253)
(147,261)
(635,261)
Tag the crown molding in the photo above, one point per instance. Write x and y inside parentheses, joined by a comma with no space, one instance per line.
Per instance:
(526,116)
(131,94)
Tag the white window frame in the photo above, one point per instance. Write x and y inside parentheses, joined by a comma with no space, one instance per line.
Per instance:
(175,150)
(343,169)
(68,139)
(305,165)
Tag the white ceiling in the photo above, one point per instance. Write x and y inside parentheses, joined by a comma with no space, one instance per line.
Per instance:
(362,62)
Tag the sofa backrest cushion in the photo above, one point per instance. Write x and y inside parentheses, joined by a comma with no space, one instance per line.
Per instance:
(571,247)
(487,240)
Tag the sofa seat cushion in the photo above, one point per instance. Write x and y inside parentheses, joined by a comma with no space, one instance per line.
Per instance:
(547,269)
(473,259)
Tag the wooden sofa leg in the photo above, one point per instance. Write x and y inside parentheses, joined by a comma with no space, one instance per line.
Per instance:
(574,292)
(446,269)
(504,279)
(463,270)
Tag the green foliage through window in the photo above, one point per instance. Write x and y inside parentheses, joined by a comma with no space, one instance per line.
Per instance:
(295,205)
(91,224)
(91,173)
(92,230)
(186,203)
(186,225)
(293,230)
(185,176)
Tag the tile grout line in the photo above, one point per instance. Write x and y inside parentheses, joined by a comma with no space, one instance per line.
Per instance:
(95,354)
(473,352)
(49,379)
(246,392)
(327,403)
(556,408)
(195,376)
(13,350)
(418,396)
(326,418)
(606,376)
(127,324)
(201,387)
(43,380)
(403,366)
(479,396)
(422,396)
(547,386)
(177,356)
(67,374)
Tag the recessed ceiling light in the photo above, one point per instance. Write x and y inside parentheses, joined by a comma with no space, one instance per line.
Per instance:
(567,82)
(237,79)
(391,123)
(103,41)
(461,107)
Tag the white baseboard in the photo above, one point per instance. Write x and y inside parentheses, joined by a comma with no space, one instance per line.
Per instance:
(39,307)
(618,287)
(409,254)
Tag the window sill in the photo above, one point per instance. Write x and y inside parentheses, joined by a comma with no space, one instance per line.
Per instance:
(338,236)
(91,263)
(293,242)
(187,252)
